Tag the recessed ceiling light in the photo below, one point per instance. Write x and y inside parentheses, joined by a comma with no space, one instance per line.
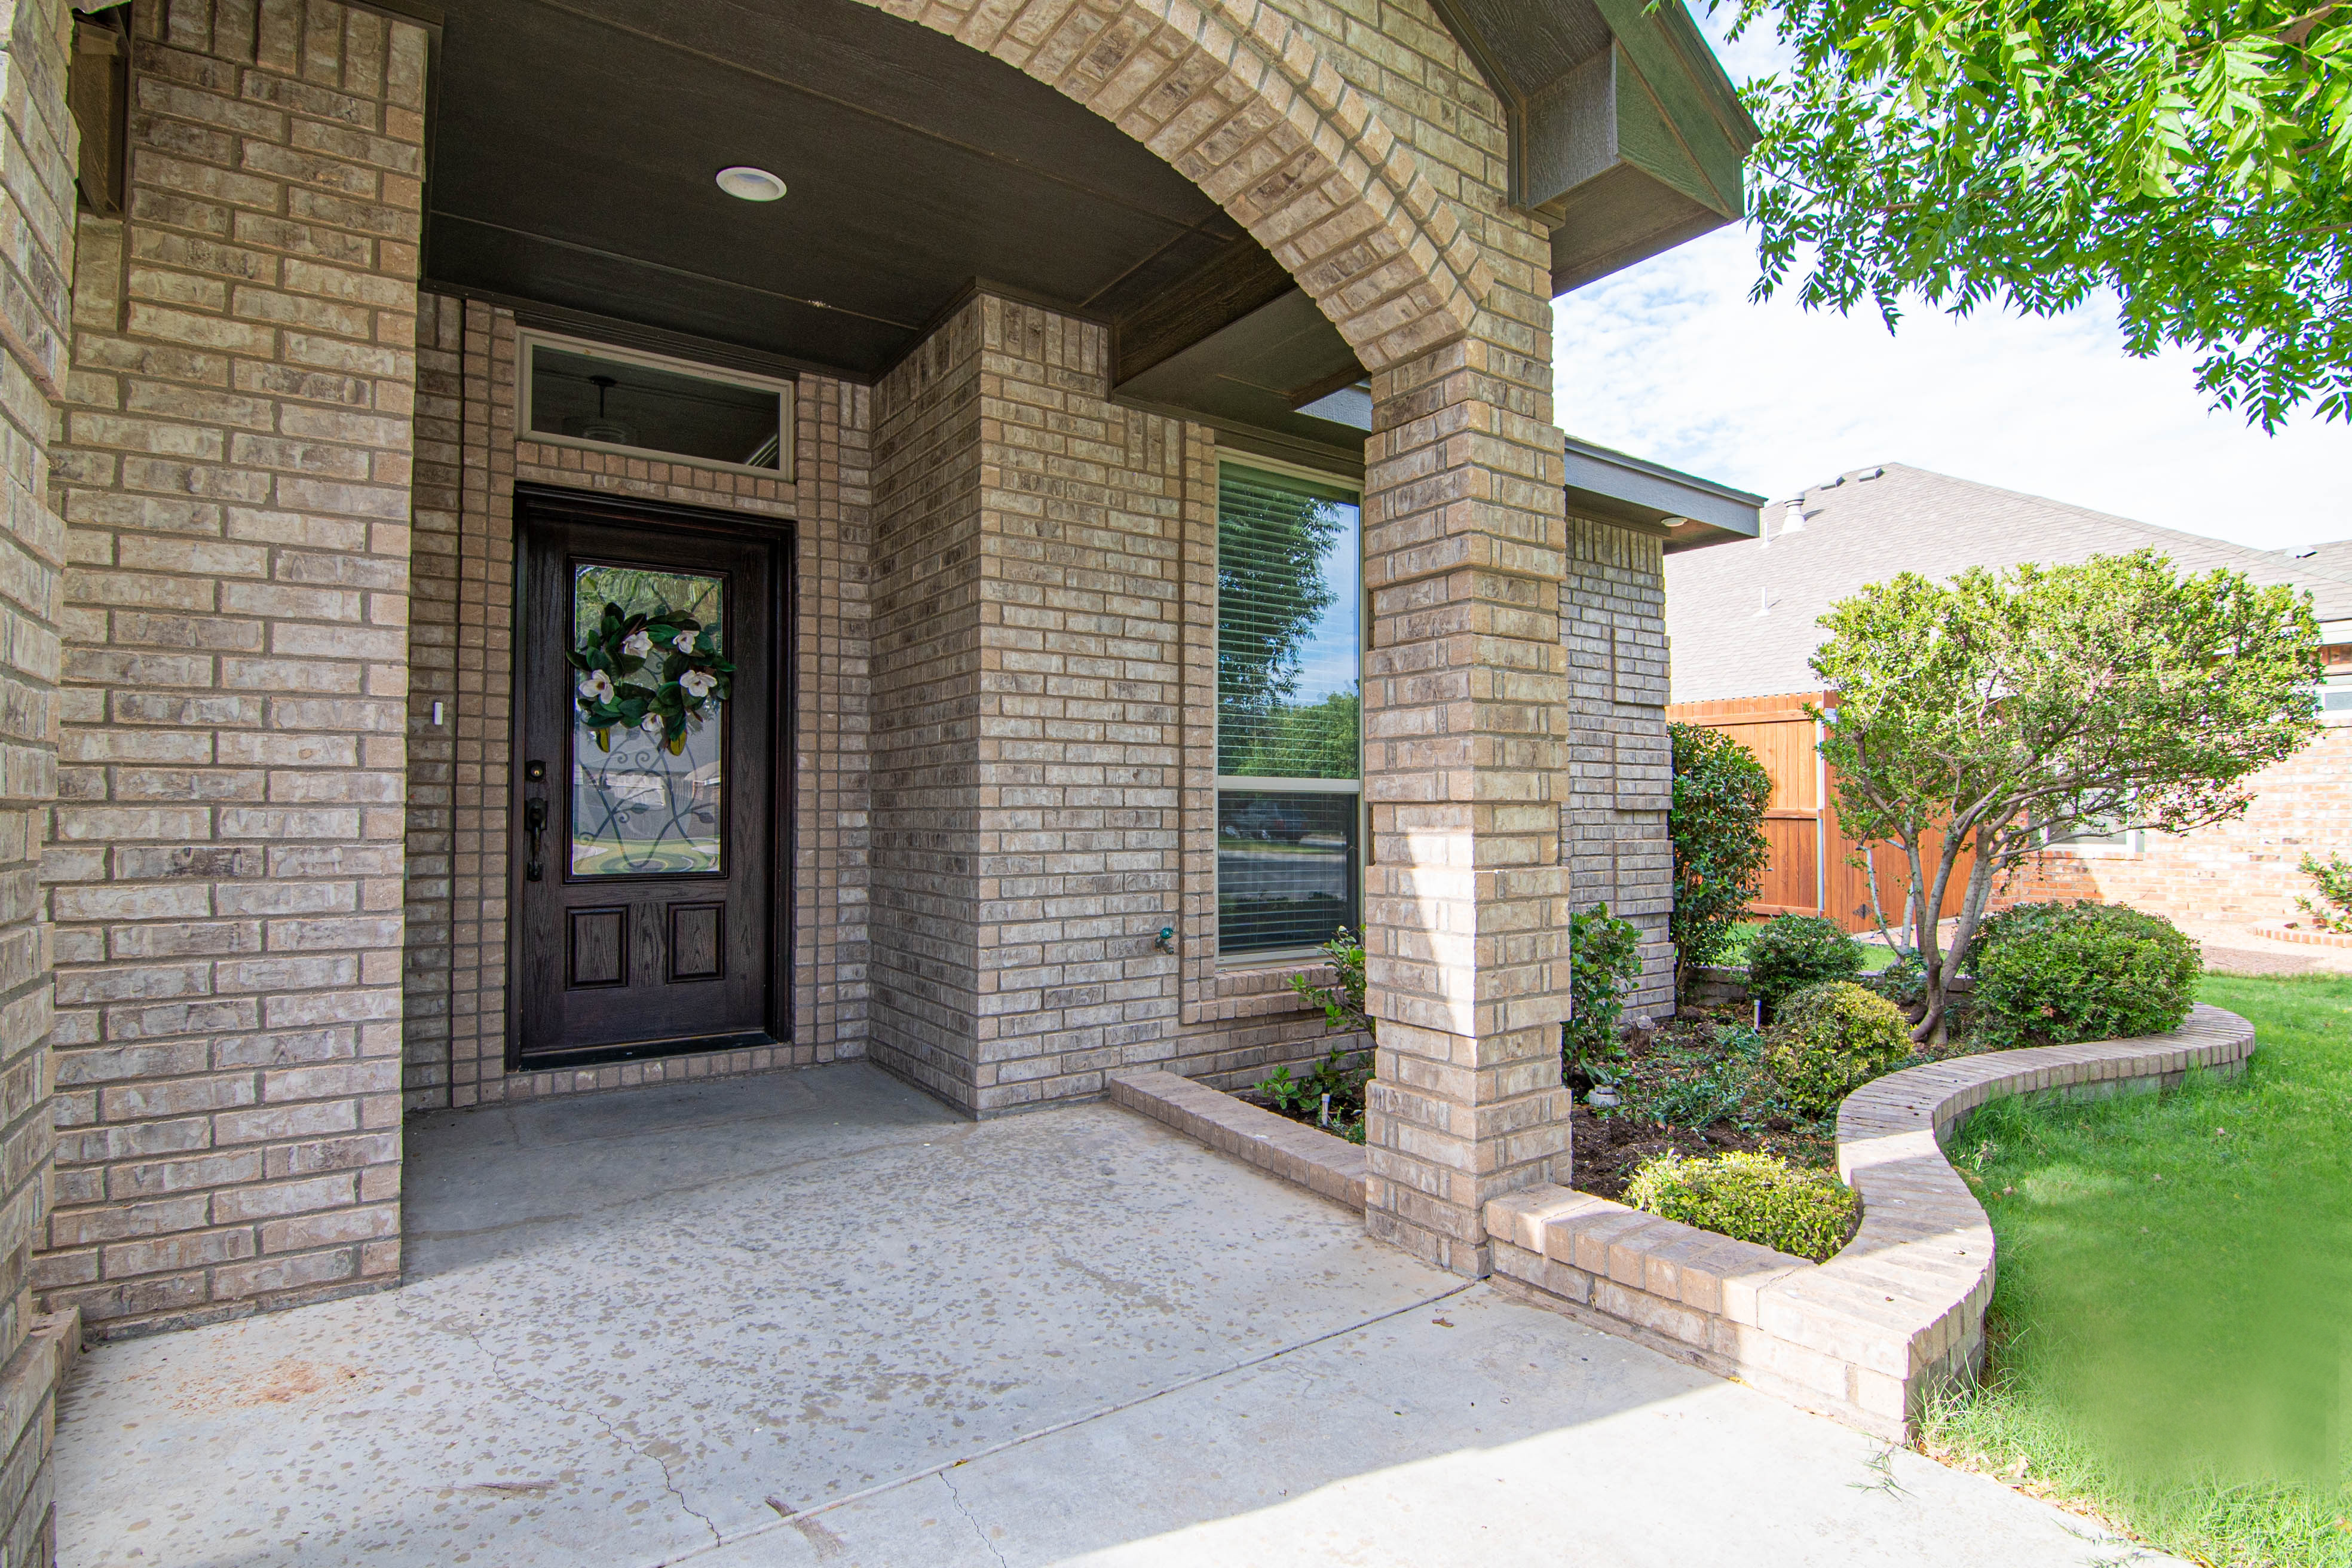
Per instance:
(748,183)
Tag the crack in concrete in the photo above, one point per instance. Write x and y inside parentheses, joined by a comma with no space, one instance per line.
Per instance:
(947,1478)
(620,1441)
(1093,1415)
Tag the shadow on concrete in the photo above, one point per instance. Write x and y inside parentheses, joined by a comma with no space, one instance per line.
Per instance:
(816,1317)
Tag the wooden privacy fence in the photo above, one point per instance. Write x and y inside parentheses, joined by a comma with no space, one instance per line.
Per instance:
(1809,872)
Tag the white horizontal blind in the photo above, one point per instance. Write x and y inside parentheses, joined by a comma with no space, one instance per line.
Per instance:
(1290,736)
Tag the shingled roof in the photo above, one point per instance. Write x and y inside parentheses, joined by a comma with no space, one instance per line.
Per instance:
(1741,616)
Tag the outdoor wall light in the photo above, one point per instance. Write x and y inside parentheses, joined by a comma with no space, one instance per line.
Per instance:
(747,183)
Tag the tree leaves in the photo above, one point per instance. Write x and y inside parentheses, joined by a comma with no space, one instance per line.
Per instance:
(2194,157)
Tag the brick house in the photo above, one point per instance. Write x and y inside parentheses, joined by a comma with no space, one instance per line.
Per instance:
(1742,624)
(950,388)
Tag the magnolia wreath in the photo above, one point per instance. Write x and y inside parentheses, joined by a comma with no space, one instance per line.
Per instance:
(661,672)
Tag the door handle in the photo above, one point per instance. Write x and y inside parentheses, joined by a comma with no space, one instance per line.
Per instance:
(534,822)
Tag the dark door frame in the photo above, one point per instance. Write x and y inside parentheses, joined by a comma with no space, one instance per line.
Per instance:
(782,536)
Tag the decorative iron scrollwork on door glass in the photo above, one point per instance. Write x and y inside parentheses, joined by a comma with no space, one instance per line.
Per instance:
(648,723)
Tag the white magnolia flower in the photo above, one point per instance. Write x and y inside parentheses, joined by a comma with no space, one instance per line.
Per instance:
(698,683)
(637,644)
(683,642)
(651,724)
(597,688)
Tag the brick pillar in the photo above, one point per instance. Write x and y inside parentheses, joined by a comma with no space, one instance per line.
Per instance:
(1466,745)
(37,199)
(1620,773)
(1027,726)
(228,855)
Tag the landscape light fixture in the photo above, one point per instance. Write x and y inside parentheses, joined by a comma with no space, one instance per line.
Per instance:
(747,183)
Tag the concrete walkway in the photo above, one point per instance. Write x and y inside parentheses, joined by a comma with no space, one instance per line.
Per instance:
(815,1319)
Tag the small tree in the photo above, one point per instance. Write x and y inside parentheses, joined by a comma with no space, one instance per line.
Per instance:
(2000,708)
(1716,823)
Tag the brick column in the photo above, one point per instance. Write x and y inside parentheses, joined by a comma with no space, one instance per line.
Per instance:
(1465,746)
(36,202)
(227,854)
(1620,773)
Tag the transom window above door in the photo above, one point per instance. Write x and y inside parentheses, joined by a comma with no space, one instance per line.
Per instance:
(1289,730)
(579,394)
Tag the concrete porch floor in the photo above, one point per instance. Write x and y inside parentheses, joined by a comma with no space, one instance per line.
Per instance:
(659,1326)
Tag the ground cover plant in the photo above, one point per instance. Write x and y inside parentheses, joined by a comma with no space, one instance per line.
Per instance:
(1330,1095)
(2168,1332)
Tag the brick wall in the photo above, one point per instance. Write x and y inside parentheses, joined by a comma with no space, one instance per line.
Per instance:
(225,859)
(2230,874)
(470,460)
(37,162)
(1621,768)
(925,702)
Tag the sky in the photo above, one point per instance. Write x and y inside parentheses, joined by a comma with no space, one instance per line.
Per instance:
(1669,361)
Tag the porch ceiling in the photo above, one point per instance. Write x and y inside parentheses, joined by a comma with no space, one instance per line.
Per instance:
(575,144)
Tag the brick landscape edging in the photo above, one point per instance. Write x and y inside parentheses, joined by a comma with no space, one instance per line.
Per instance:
(1867,1336)
(2308,938)
(1330,1167)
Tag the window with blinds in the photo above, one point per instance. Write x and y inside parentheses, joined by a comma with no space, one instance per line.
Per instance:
(1289,733)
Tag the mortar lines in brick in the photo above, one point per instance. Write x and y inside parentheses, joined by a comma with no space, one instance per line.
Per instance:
(227,855)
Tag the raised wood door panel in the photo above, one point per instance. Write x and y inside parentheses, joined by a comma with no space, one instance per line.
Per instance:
(649,885)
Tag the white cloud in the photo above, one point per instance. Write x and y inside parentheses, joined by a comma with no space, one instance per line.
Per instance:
(1670,361)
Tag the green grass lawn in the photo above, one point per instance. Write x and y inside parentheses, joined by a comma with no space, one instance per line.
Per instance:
(2172,1328)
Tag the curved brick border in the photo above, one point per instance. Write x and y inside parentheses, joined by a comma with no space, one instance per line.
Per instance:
(1865,1337)
(2308,938)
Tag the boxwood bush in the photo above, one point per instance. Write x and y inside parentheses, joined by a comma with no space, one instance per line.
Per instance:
(1830,1039)
(2051,974)
(1793,952)
(1760,1198)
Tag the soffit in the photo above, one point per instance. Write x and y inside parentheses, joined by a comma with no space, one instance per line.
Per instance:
(575,144)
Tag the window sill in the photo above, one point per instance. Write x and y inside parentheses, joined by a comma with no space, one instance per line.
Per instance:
(1288,959)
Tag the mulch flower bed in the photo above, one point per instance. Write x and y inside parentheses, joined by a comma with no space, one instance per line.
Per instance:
(1694,1086)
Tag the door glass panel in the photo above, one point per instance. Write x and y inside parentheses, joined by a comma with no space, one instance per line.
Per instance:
(639,806)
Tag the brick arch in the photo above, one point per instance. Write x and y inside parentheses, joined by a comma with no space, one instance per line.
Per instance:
(1235,96)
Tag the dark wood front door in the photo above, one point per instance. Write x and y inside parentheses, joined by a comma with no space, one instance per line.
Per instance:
(648,885)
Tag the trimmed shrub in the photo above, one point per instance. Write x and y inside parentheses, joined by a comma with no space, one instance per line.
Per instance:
(2081,971)
(1604,958)
(1793,952)
(1716,821)
(1760,1198)
(1830,1039)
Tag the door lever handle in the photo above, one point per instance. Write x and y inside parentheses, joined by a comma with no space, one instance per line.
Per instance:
(534,822)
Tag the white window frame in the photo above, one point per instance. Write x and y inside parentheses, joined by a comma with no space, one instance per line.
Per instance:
(1290,957)
(530,340)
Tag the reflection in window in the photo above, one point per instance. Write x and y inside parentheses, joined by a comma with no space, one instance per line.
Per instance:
(1285,869)
(578,394)
(1289,730)
(637,807)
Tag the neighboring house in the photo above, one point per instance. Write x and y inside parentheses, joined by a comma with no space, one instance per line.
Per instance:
(1099,456)
(1742,621)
